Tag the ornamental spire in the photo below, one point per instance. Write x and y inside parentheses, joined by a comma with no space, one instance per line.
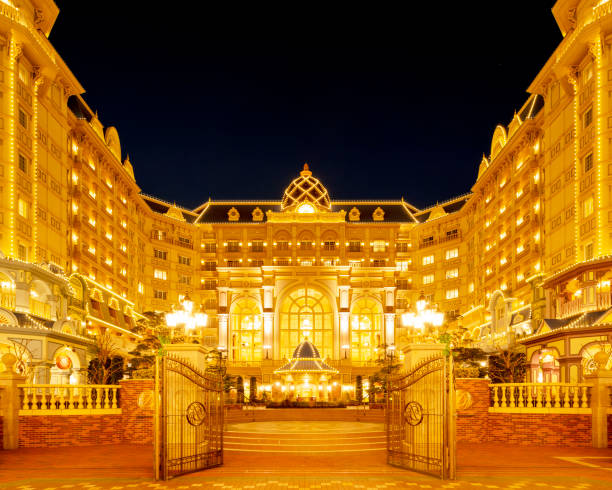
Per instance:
(306,171)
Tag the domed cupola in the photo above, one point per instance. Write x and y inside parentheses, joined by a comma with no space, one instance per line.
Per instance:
(306,194)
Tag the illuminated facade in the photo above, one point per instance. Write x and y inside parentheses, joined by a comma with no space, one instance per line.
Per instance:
(344,272)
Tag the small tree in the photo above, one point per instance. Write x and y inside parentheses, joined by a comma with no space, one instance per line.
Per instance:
(359,389)
(239,389)
(469,362)
(253,389)
(24,364)
(507,367)
(107,365)
(390,366)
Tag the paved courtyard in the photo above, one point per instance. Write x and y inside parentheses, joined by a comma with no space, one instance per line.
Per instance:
(262,465)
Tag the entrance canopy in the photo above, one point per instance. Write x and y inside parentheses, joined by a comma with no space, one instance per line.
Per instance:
(306,359)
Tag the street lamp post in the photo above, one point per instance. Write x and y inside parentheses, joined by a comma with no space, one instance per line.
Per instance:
(186,318)
(424,318)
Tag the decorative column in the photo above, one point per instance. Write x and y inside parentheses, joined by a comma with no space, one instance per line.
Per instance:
(222,317)
(268,323)
(344,317)
(390,315)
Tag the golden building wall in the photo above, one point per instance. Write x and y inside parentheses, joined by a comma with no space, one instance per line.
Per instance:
(540,203)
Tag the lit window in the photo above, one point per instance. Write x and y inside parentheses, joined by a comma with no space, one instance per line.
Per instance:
(402,265)
(452,253)
(140,288)
(428,279)
(471,287)
(379,246)
(428,259)
(92,250)
(92,193)
(587,207)
(24,208)
(452,293)
(160,274)
(452,273)
(306,208)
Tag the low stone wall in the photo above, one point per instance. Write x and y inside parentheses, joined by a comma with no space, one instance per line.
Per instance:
(476,424)
(133,426)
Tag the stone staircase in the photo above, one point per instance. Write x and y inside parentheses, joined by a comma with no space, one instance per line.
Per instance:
(296,437)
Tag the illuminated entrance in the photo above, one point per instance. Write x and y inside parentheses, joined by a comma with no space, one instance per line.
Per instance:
(306,313)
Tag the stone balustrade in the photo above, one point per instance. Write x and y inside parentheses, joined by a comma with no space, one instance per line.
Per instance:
(540,398)
(53,399)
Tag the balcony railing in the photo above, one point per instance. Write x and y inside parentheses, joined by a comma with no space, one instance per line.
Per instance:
(540,397)
(40,309)
(576,306)
(69,399)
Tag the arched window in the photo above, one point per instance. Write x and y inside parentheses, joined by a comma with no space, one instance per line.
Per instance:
(306,313)
(247,331)
(366,328)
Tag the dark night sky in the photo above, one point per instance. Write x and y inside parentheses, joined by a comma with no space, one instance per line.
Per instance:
(382,101)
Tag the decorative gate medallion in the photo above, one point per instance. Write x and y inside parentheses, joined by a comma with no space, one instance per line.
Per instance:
(413,413)
(196,413)
(189,418)
(420,423)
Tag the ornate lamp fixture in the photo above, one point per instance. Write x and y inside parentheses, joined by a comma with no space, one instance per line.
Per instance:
(186,318)
(425,316)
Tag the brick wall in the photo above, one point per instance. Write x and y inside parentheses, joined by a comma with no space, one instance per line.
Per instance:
(133,426)
(476,424)
(137,411)
(69,430)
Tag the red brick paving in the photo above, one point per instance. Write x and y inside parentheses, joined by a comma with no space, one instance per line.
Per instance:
(478,465)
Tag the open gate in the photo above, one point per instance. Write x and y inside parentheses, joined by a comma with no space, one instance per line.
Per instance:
(188,418)
(420,418)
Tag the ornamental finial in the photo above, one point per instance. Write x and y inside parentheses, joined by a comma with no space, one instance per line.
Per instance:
(306,171)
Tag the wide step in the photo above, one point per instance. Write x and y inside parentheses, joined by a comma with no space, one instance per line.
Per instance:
(296,438)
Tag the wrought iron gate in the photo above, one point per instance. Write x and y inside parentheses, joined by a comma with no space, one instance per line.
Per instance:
(188,418)
(420,419)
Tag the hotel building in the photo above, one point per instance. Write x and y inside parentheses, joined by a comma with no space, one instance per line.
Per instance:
(523,257)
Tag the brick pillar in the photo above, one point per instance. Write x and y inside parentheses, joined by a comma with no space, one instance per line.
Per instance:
(10,402)
(137,407)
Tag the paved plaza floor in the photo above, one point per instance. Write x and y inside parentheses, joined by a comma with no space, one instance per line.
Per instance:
(262,465)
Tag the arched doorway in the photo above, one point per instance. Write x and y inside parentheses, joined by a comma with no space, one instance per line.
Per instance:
(306,313)
(246,332)
(366,328)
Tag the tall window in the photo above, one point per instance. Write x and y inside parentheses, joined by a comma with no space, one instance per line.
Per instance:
(246,331)
(366,329)
(306,313)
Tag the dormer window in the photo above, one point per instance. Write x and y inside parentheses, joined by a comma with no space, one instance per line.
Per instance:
(378,215)
(257,214)
(354,214)
(233,214)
